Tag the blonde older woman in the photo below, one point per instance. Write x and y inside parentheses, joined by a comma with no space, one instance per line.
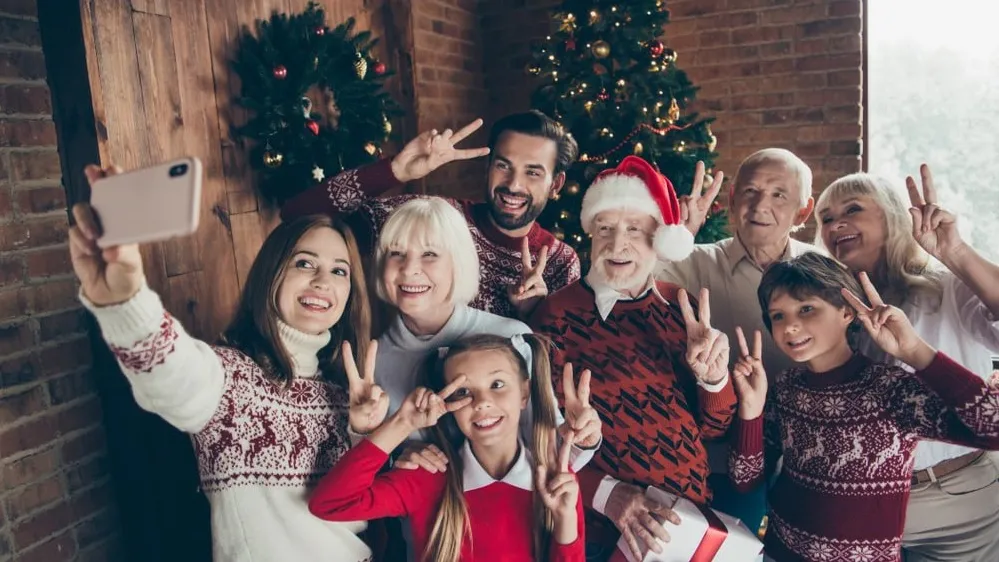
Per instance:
(428,270)
(953,511)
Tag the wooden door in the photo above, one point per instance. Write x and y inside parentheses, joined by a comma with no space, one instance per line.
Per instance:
(160,87)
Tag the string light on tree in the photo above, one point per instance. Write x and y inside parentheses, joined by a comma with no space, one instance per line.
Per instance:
(601,49)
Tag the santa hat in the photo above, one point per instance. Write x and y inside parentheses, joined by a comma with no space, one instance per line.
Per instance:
(636,185)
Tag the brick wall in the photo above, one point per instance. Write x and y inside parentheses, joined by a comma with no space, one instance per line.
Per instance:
(450,84)
(55,502)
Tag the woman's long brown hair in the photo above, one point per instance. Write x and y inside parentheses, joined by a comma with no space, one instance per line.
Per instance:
(254,329)
(451,523)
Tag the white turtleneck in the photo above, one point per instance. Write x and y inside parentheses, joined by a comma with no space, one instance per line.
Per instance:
(303,349)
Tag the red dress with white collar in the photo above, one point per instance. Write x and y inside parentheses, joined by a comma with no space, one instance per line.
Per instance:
(500,512)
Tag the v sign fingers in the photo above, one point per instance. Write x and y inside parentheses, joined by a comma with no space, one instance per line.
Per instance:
(704,308)
(685,308)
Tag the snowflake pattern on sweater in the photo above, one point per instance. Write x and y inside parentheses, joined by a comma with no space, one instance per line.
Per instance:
(500,263)
(848,439)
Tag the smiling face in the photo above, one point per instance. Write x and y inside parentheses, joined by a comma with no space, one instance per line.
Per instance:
(766,205)
(521,179)
(854,231)
(622,255)
(810,330)
(418,278)
(315,284)
(499,393)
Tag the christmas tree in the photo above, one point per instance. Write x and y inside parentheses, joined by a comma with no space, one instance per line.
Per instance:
(609,76)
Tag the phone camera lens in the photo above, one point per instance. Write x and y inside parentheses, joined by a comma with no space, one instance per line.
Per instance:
(178,170)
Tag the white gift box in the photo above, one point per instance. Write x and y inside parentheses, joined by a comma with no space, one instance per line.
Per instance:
(697,537)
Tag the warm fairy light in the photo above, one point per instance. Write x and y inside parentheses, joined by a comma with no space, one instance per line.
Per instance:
(621,82)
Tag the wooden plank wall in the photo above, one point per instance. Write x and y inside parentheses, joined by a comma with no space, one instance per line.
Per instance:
(162,88)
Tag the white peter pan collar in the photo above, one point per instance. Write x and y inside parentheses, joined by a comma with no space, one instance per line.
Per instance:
(521,475)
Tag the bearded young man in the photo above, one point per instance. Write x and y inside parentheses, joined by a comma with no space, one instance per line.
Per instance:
(660,374)
(519,262)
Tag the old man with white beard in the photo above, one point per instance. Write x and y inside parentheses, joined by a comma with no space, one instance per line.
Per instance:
(660,371)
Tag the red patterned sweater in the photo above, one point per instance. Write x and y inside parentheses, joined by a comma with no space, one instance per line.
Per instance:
(260,450)
(653,411)
(847,438)
(500,264)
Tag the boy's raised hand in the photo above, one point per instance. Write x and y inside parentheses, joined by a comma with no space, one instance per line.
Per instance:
(368,402)
(109,276)
(749,378)
(581,419)
(557,487)
(424,407)
(707,348)
(889,327)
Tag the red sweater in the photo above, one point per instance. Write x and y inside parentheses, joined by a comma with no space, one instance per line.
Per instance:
(500,264)
(500,515)
(847,438)
(654,414)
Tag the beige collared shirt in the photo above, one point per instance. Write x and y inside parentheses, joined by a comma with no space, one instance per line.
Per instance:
(732,277)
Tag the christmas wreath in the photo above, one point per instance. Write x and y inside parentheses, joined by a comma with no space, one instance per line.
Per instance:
(316,99)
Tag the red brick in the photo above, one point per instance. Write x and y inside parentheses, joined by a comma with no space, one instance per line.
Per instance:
(85,474)
(30,468)
(771,50)
(847,43)
(57,549)
(46,523)
(17,31)
(18,371)
(29,435)
(22,404)
(846,148)
(10,305)
(13,236)
(763,101)
(820,98)
(26,98)
(67,356)
(806,150)
(11,270)
(61,324)
(827,132)
(51,296)
(776,66)
(45,263)
(41,199)
(22,65)
(84,445)
(729,21)
(81,415)
(92,500)
(16,337)
(36,165)
(847,8)
(71,387)
(843,78)
(761,34)
(46,232)
(6,201)
(34,496)
(829,27)
(829,62)
(793,14)
(844,114)
(27,133)
(842,164)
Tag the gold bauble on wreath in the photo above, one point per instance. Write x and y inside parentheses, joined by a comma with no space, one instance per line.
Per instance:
(601,49)
(360,66)
(273,159)
(386,126)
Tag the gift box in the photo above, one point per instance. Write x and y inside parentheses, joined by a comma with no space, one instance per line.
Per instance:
(704,535)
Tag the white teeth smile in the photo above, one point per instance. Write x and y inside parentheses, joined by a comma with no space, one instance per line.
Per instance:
(414,289)
(799,342)
(513,202)
(314,302)
(846,238)
(486,423)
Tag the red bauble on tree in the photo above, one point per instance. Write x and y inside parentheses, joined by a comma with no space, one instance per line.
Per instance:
(656,47)
(280,72)
(319,30)
(603,95)
(313,126)
(379,68)
(570,44)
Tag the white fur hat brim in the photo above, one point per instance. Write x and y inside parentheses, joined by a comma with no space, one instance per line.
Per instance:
(617,192)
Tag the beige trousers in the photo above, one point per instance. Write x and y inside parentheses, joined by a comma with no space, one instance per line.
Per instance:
(955,519)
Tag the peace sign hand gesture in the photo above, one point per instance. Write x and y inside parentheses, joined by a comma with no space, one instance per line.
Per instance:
(889,327)
(557,487)
(933,227)
(707,348)
(694,208)
(532,288)
(423,407)
(582,422)
(749,378)
(431,150)
(368,402)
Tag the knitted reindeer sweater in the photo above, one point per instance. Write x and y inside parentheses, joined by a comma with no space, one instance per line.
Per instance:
(260,450)
(848,439)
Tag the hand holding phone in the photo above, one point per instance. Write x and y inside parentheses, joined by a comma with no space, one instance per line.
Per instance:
(148,205)
(107,276)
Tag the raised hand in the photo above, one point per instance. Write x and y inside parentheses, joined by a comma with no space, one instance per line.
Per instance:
(423,407)
(526,294)
(368,402)
(933,227)
(431,150)
(581,421)
(889,327)
(557,487)
(749,378)
(109,276)
(707,348)
(694,208)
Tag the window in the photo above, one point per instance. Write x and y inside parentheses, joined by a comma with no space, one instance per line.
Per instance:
(933,96)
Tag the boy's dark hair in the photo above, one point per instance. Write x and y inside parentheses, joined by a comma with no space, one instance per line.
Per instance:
(537,124)
(809,275)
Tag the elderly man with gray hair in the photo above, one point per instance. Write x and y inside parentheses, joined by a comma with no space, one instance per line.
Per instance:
(770,198)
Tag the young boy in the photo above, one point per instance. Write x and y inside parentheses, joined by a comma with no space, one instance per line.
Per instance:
(846,426)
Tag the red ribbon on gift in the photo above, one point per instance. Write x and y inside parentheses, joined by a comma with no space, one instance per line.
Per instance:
(713,539)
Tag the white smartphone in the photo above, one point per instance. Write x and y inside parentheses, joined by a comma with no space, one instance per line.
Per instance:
(150,204)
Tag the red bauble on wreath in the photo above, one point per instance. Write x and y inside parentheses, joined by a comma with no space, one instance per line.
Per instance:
(280,72)
(319,30)
(313,126)
(379,68)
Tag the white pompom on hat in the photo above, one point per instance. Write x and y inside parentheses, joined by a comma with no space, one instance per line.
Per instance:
(635,185)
